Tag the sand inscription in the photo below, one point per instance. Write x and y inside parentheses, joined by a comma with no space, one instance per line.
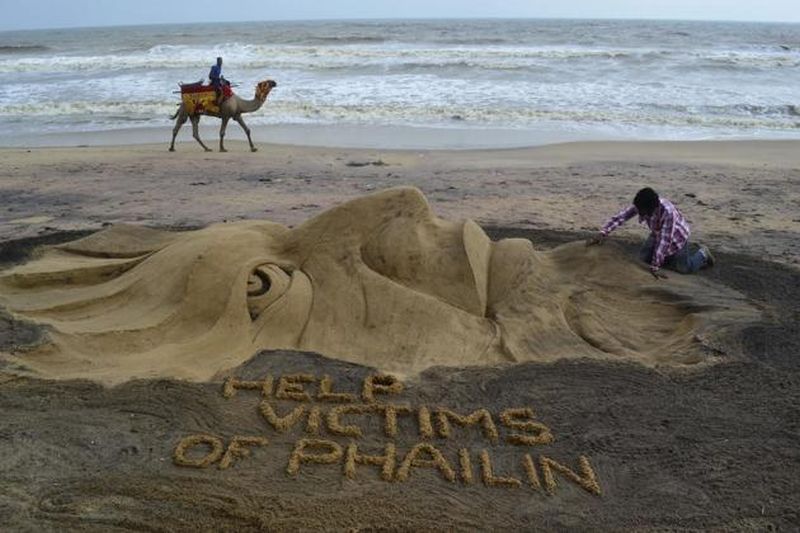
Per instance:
(322,411)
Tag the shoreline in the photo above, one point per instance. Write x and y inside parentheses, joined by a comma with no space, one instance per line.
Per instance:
(387,137)
(742,152)
(316,135)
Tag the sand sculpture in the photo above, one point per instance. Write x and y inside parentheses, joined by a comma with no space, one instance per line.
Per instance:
(379,280)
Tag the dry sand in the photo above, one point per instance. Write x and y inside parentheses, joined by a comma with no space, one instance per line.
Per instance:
(713,447)
(742,195)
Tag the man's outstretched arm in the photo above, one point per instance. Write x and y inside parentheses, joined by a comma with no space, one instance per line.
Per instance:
(612,224)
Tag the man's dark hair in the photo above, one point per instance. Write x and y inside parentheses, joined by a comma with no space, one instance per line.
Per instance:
(646,201)
(219,61)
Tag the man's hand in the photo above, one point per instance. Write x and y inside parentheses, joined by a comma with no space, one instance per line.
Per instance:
(597,239)
(657,273)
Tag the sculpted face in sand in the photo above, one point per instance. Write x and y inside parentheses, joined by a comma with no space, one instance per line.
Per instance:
(378,281)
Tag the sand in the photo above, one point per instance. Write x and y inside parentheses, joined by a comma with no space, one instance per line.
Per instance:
(742,195)
(378,280)
(669,445)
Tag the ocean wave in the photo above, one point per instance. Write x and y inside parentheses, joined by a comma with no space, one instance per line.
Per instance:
(156,112)
(22,48)
(119,110)
(515,117)
(778,111)
(755,110)
(747,59)
(306,57)
(344,39)
(474,41)
(393,56)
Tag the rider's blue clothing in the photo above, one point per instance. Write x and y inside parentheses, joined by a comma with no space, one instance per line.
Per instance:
(215,75)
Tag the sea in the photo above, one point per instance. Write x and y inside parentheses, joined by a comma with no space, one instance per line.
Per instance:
(411,83)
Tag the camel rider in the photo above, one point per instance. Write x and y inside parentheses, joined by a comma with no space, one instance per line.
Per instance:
(216,79)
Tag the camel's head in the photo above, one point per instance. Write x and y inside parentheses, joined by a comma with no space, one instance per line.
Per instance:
(263,88)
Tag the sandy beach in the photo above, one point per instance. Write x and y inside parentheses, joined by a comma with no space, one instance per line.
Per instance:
(603,445)
(739,196)
(386,306)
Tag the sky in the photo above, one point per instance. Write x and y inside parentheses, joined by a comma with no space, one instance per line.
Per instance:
(32,14)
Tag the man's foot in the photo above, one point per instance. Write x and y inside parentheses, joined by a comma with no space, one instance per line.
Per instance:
(708,255)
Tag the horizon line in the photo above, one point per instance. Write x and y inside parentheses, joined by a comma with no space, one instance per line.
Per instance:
(385,19)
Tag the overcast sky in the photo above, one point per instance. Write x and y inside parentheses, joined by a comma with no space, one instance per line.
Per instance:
(27,14)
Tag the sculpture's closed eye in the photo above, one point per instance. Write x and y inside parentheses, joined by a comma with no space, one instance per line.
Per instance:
(266,284)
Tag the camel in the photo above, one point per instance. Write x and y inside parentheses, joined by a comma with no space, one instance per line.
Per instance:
(232,108)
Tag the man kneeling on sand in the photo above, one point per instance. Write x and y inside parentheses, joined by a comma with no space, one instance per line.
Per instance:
(668,242)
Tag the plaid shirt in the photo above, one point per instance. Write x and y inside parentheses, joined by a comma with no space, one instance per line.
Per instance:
(670,230)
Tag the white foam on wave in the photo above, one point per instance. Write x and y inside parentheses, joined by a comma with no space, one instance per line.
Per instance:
(473,75)
(112,114)
(251,56)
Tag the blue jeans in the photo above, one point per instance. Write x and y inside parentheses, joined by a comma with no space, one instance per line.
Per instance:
(682,261)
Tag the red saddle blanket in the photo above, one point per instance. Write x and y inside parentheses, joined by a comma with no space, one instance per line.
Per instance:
(198,98)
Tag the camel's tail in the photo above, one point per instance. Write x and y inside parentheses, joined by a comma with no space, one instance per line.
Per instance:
(176,113)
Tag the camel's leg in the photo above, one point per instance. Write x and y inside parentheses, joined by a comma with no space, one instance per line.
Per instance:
(178,124)
(222,133)
(196,132)
(240,120)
